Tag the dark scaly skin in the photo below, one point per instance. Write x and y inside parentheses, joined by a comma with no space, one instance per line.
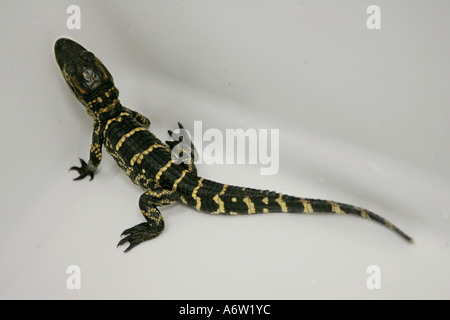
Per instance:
(148,162)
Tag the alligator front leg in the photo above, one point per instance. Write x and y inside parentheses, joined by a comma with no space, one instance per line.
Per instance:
(95,156)
(148,203)
(142,120)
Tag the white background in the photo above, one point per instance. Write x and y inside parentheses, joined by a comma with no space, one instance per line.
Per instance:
(363,118)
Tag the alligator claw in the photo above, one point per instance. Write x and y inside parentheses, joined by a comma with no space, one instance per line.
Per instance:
(178,140)
(138,234)
(84,170)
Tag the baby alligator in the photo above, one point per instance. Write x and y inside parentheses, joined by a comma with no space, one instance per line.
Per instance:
(149,163)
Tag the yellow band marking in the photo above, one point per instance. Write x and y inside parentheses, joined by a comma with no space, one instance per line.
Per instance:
(307,208)
(233,213)
(156,219)
(108,107)
(234,199)
(224,188)
(216,198)
(250,204)
(111,89)
(162,170)
(100,100)
(194,194)
(127,135)
(265,210)
(364,214)
(159,194)
(138,157)
(118,119)
(336,208)
(183,199)
(149,215)
(97,150)
(389,224)
(265,200)
(221,204)
(282,204)
(175,184)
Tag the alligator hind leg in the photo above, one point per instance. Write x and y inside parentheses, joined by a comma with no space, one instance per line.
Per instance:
(182,147)
(148,203)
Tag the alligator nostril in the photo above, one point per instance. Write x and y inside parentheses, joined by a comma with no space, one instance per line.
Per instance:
(63,44)
(60,42)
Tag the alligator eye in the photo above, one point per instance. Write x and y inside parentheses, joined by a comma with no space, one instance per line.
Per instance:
(87,56)
(70,68)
